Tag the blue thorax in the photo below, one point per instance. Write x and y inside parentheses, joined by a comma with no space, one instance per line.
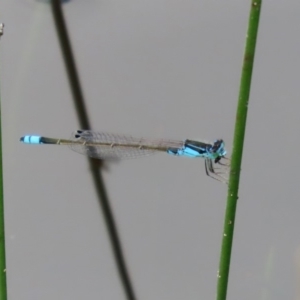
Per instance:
(191,148)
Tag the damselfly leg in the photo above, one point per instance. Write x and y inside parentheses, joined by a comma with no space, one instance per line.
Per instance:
(214,173)
(227,162)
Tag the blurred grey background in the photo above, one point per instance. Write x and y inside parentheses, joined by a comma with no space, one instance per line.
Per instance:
(162,69)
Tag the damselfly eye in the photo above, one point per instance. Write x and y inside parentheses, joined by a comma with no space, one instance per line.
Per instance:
(216,145)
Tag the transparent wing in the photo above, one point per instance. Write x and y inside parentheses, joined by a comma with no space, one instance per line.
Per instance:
(115,146)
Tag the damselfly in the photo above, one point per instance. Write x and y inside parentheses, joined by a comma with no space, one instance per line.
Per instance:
(113,146)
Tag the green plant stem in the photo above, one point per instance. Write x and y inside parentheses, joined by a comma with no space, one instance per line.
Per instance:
(237,150)
(3,295)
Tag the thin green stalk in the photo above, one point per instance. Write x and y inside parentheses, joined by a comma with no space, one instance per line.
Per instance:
(2,232)
(3,295)
(238,142)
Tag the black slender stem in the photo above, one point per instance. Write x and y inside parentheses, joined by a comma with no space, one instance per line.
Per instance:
(94,166)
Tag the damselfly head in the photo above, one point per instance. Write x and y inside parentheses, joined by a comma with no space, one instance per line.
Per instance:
(218,148)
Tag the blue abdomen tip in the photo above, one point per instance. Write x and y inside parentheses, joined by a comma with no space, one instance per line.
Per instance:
(31,139)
